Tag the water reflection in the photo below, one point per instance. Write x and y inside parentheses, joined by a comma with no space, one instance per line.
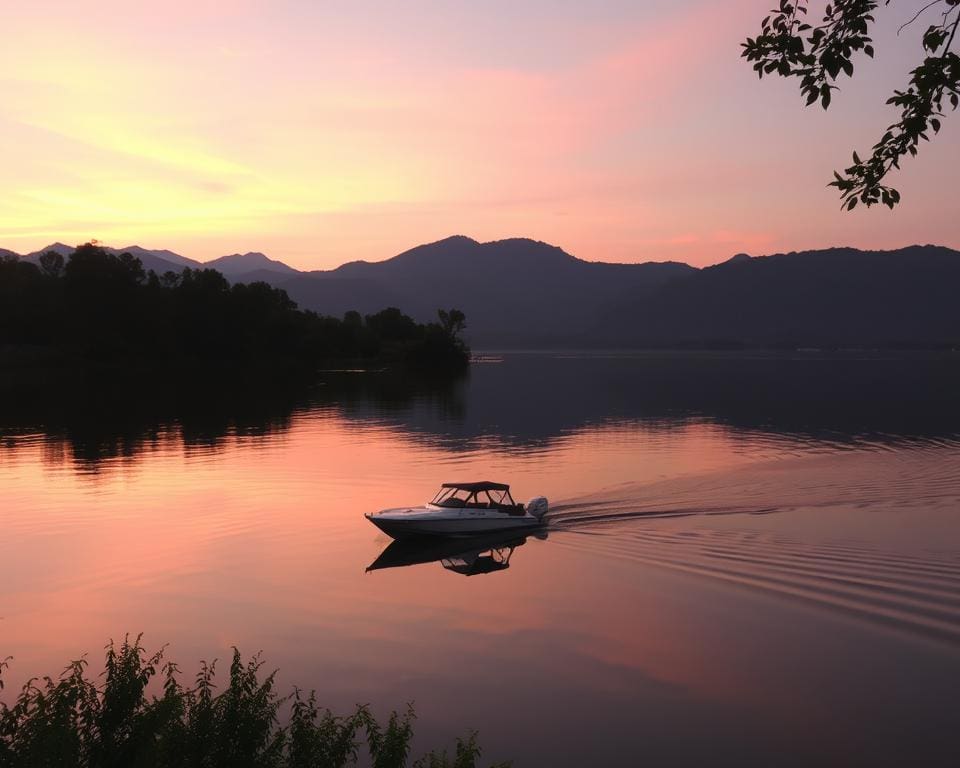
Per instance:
(94,418)
(224,512)
(522,404)
(469,556)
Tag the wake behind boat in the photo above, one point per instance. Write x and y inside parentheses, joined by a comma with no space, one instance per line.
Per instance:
(462,509)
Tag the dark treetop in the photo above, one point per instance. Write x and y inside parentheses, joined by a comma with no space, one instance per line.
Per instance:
(98,305)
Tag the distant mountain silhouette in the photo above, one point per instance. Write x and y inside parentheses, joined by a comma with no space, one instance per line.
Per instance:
(164,255)
(838,297)
(514,292)
(245,267)
(62,248)
(159,261)
(250,266)
(523,293)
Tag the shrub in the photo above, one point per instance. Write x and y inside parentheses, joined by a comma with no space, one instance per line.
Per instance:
(72,722)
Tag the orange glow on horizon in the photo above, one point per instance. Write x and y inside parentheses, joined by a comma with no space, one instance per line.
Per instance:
(320,137)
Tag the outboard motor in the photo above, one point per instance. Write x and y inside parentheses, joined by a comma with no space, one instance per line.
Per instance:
(537,507)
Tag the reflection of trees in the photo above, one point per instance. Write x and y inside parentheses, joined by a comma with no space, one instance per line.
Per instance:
(111,414)
(523,403)
(97,415)
(530,401)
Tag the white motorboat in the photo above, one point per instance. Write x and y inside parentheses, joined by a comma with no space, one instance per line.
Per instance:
(462,509)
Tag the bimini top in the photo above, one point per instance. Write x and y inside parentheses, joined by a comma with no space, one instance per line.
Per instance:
(484,485)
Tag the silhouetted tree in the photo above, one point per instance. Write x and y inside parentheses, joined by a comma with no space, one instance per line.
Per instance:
(818,54)
(103,301)
(27,311)
(51,263)
(92,266)
(391,324)
(452,321)
(105,306)
(170,279)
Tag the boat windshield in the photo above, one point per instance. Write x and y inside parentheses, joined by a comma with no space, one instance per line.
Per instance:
(465,497)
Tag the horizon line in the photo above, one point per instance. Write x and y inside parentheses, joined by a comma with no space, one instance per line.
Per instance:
(205,264)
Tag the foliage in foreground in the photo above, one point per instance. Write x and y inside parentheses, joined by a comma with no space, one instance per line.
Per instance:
(790,45)
(74,722)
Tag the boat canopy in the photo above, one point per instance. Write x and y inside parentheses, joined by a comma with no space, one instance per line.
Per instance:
(484,485)
(483,495)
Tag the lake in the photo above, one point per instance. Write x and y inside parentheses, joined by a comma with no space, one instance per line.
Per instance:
(749,559)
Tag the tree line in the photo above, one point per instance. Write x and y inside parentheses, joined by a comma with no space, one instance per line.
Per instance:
(96,305)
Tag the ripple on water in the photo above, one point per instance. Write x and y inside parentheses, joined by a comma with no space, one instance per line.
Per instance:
(914,589)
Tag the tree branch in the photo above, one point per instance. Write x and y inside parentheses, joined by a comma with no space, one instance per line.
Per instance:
(917,15)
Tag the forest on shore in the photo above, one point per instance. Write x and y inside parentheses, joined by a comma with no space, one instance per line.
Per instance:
(97,306)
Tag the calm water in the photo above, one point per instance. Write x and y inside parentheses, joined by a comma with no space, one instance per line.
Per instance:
(750,560)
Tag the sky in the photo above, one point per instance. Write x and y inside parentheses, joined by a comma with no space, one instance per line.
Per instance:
(323,131)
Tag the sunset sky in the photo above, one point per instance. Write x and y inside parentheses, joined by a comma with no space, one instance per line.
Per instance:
(320,132)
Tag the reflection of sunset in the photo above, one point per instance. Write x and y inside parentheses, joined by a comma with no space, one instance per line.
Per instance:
(198,525)
(248,530)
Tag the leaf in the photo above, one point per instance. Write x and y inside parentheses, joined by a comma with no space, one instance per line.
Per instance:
(832,66)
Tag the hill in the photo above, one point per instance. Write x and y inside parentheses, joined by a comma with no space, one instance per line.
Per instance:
(520,293)
(514,292)
(837,297)
(249,266)
(159,261)
(237,267)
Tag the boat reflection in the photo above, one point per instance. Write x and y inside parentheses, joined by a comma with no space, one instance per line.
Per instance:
(467,556)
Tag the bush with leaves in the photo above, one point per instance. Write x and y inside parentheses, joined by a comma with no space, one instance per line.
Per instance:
(72,722)
(818,54)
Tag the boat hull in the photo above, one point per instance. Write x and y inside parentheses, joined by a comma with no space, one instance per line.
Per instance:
(403,524)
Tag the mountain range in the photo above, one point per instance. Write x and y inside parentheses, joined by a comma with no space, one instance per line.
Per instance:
(523,293)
